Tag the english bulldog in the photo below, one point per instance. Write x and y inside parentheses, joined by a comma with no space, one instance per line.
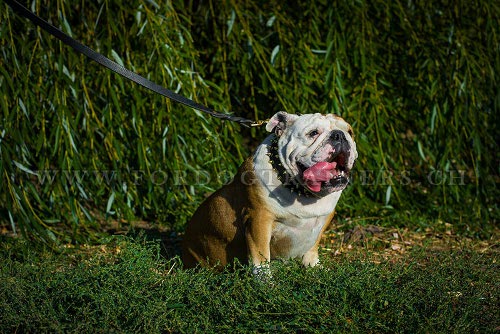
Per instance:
(280,201)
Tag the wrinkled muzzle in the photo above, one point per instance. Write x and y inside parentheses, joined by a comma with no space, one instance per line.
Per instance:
(331,174)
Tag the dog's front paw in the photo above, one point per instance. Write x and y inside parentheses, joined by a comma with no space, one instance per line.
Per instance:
(310,259)
(262,273)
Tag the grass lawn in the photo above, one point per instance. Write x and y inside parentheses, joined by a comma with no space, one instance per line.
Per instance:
(374,280)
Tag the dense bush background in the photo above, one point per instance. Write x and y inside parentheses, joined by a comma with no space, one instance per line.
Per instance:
(416,79)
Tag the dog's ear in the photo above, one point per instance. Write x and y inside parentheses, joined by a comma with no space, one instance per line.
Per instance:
(280,121)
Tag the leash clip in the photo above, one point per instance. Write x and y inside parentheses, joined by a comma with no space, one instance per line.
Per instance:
(259,123)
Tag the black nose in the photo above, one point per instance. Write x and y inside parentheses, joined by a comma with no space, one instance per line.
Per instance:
(337,136)
(339,141)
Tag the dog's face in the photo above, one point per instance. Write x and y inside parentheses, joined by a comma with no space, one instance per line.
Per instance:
(317,150)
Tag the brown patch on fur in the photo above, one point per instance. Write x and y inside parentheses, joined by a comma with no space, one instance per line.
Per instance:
(232,223)
(350,132)
(280,246)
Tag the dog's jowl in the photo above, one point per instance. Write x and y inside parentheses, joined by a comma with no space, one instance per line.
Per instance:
(282,198)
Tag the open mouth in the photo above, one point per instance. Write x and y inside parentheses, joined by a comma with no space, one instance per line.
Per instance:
(331,175)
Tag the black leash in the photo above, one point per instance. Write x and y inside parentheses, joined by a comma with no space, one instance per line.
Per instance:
(108,63)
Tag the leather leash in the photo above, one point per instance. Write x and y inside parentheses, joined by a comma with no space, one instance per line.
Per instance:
(117,68)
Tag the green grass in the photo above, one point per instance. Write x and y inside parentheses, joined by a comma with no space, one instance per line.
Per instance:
(128,287)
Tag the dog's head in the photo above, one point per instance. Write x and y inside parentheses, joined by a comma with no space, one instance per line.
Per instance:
(316,150)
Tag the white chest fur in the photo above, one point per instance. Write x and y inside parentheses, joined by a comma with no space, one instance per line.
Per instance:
(299,219)
(293,238)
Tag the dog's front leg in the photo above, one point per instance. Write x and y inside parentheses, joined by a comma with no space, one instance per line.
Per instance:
(258,237)
(311,257)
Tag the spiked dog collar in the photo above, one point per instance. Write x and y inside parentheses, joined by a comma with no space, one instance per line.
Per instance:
(284,177)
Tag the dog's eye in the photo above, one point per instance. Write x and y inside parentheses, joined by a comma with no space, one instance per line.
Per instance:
(313,133)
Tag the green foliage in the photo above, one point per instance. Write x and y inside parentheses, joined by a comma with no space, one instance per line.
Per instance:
(416,80)
(80,143)
(135,290)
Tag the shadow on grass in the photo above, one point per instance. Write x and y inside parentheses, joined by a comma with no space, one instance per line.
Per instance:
(170,242)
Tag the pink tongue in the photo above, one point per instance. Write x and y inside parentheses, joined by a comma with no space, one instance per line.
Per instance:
(320,172)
